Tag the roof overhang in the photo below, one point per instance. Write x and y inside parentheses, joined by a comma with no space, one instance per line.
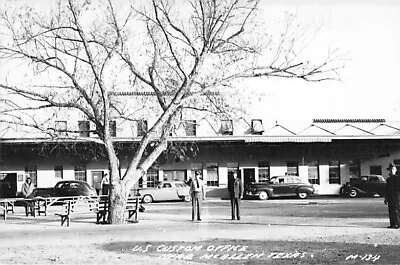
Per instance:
(228,138)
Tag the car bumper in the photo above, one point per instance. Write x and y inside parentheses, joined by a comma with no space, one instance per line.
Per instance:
(252,193)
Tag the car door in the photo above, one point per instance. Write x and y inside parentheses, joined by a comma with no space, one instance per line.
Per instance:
(290,186)
(166,192)
(363,184)
(279,186)
(61,189)
(293,184)
(375,185)
(182,189)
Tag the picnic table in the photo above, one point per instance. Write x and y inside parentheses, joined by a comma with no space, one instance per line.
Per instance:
(7,205)
(71,206)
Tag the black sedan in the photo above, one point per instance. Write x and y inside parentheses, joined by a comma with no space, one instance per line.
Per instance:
(369,185)
(280,186)
(66,188)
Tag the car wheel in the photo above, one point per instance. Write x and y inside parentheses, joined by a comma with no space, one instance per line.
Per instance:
(353,193)
(302,195)
(263,195)
(147,199)
(186,198)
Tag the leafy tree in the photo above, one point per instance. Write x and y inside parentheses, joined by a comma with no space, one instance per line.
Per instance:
(104,60)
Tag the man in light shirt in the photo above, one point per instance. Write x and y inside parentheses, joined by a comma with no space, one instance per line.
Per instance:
(198,194)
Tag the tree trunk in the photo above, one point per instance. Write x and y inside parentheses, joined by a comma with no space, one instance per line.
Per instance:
(118,198)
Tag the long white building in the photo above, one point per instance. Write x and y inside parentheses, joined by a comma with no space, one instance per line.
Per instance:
(326,152)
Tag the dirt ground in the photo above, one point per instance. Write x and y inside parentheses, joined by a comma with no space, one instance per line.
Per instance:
(164,235)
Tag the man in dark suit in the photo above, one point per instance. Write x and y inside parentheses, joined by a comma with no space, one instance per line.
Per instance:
(392,197)
(198,194)
(235,189)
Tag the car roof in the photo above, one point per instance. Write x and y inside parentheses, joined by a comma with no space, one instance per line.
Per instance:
(285,176)
(171,181)
(73,181)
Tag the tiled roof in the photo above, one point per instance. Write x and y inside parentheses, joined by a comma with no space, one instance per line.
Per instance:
(349,120)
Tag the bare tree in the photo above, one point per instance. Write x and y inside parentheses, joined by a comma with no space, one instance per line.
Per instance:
(85,55)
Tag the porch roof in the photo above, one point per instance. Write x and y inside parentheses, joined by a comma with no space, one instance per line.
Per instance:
(226,138)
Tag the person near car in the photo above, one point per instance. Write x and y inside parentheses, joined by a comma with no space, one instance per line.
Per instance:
(105,185)
(392,197)
(198,194)
(235,189)
(27,192)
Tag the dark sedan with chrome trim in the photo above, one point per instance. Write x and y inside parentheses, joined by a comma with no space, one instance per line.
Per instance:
(280,186)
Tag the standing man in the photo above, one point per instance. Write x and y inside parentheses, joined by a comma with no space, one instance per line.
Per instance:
(235,189)
(105,184)
(26,191)
(392,197)
(197,193)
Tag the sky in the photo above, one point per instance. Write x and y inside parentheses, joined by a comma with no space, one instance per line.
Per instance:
(367,34)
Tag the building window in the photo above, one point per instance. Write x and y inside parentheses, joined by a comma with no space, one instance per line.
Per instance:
(375,170)
(171,175)
(313,172)
(58,172)
(32,172)
(80,173)
(263,171)
(113,128)
(190,127)
(354,169)
(61,127)
(257,126)
(84,128)
(292,168)
(141,126)
(227,127)
(212,174)
(334,172)
(151,177)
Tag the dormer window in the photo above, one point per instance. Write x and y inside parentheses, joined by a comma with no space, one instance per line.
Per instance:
(61,127)
(257,126)
(84,128)
(113,128)
(227,127)
(190,127)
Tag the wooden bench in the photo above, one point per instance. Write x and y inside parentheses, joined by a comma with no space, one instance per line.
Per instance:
(67,209)
(72,206)
(6,206)
(132,208)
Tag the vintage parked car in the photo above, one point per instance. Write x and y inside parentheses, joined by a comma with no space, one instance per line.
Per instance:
(66,188)
(369,185)
(166,191)
(280,186)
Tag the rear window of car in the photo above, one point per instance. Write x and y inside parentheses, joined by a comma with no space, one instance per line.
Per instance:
(76,186)
(167,185)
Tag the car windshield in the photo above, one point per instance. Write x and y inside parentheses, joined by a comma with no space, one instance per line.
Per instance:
(276,180)
(376,179)
(62,185)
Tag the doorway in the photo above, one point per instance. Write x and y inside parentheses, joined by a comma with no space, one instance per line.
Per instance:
(97,176)
(8,185)
(249,176)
